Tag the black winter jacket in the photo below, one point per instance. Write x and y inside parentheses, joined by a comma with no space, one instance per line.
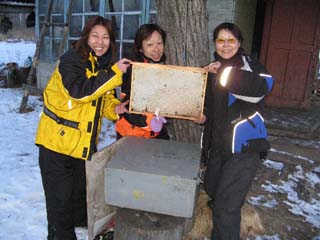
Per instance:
(233,124)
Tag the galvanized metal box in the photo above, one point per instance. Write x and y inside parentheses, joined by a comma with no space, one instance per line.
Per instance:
(154,175)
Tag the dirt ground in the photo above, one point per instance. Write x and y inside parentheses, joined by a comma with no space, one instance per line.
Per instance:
(294,136)
(295,146)
(279,220)
(295,139)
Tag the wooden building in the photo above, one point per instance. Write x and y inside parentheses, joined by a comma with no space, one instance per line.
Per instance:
(283,34)
(16,6)
(17,20)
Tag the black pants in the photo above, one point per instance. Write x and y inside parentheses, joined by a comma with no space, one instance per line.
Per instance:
(227,182)
(64,183)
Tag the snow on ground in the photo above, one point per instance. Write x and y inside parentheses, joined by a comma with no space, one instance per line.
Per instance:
(22,203)
(297,206)
(16,51)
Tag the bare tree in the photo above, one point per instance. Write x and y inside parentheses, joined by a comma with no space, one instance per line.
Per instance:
(185,22)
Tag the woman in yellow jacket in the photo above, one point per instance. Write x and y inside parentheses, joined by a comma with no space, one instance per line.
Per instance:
(79,93)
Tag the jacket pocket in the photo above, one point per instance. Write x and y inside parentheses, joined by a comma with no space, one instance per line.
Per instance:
(59,137)
(259,145)
(247,130)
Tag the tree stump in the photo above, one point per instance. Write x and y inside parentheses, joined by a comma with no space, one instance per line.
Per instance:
(141,225)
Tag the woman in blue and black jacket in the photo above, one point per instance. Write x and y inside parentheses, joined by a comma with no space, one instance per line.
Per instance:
(235,136)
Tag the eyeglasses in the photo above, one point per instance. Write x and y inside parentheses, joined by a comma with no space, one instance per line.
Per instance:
(229,40)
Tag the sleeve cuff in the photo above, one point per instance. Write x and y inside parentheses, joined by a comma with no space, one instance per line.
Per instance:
(116,69)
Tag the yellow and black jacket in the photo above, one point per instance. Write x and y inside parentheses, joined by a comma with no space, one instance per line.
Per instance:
(79,93)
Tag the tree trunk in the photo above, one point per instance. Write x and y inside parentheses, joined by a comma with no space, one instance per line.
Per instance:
(185,22)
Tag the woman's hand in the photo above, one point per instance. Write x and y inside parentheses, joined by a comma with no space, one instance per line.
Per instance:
(123,64)
(213,67)
(121,108)
(200,120)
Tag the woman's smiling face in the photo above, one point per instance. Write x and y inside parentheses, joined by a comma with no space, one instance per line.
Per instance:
(153,47)
(99,40)
(226,44)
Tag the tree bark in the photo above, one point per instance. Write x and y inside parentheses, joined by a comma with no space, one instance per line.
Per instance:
(185,22)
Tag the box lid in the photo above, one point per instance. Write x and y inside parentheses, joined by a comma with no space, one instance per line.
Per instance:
(157,156)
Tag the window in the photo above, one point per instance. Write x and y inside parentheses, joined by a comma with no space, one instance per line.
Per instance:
(127,16)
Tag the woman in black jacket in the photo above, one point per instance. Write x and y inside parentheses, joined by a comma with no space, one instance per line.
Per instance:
(234,137)
(148,48)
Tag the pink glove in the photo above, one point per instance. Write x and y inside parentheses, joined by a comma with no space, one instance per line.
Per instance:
(157,123)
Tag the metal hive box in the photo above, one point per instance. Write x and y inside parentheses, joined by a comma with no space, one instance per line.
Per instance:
(154,175)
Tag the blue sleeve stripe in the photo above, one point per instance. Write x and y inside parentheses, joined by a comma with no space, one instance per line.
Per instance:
(243,131)
(231,99)
(248,99)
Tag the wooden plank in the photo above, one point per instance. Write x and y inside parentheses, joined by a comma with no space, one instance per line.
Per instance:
(35,61)
(66,28)
(178,92)
(289,51)
(32,89)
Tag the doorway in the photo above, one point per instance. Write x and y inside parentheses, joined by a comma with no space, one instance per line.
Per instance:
(289,47)
(258,29)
